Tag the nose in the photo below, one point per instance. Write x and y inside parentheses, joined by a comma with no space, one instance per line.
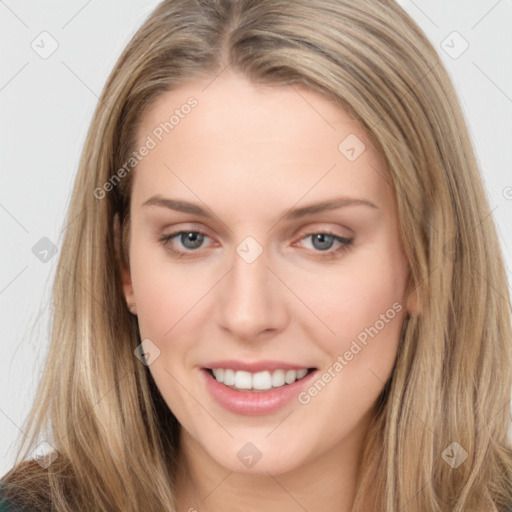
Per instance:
(251,300)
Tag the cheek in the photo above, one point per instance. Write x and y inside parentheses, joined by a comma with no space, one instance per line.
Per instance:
(358,304)
(165,291)
(364,309)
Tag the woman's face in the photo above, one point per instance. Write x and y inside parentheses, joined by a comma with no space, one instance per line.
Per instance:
(264,239)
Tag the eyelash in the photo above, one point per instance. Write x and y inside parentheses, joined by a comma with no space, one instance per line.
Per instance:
(345,244)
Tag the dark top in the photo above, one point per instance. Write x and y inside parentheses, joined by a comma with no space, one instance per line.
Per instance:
(4,507)
(7,507)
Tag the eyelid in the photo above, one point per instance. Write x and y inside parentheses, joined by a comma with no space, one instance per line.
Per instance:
(298,235)
(186,227)
(320,227)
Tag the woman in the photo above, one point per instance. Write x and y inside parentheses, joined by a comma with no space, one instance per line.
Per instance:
(281,289)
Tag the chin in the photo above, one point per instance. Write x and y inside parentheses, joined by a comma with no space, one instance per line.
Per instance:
(256,458)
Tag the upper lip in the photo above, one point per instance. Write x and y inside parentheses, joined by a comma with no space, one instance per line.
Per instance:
(254,366)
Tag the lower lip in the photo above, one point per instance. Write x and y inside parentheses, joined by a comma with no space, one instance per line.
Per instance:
(254,403)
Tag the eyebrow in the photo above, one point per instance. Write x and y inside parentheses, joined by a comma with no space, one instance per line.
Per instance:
(180,205)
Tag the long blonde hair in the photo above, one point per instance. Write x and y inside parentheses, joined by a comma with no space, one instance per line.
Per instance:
(97,405)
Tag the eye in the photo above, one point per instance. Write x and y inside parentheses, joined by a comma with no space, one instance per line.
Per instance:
(188,241)
(323,242)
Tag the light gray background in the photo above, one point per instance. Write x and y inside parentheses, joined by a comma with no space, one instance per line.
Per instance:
(47,103)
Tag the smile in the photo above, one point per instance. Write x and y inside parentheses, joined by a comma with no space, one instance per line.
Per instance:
(257,381)
(256,393)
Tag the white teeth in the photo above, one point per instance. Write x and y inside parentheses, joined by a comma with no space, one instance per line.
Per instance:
(290,376)
(243,380)
(219,374)
(229,377)
(301,373)
(260,381)
(278,378)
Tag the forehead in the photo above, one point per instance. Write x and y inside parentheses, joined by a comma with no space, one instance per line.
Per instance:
(221,136)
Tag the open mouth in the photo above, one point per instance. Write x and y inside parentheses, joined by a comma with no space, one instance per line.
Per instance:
(266,380)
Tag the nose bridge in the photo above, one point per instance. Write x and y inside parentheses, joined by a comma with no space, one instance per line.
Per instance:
(251,301)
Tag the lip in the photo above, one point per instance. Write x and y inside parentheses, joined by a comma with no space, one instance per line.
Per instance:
(258,403)
(254,366)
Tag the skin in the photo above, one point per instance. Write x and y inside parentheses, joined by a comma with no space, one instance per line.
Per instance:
(249,154)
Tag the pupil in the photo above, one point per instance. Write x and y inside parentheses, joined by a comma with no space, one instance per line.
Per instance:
(324,240)
(195,240)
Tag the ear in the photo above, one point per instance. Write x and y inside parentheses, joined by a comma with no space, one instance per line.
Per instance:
(123,269)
